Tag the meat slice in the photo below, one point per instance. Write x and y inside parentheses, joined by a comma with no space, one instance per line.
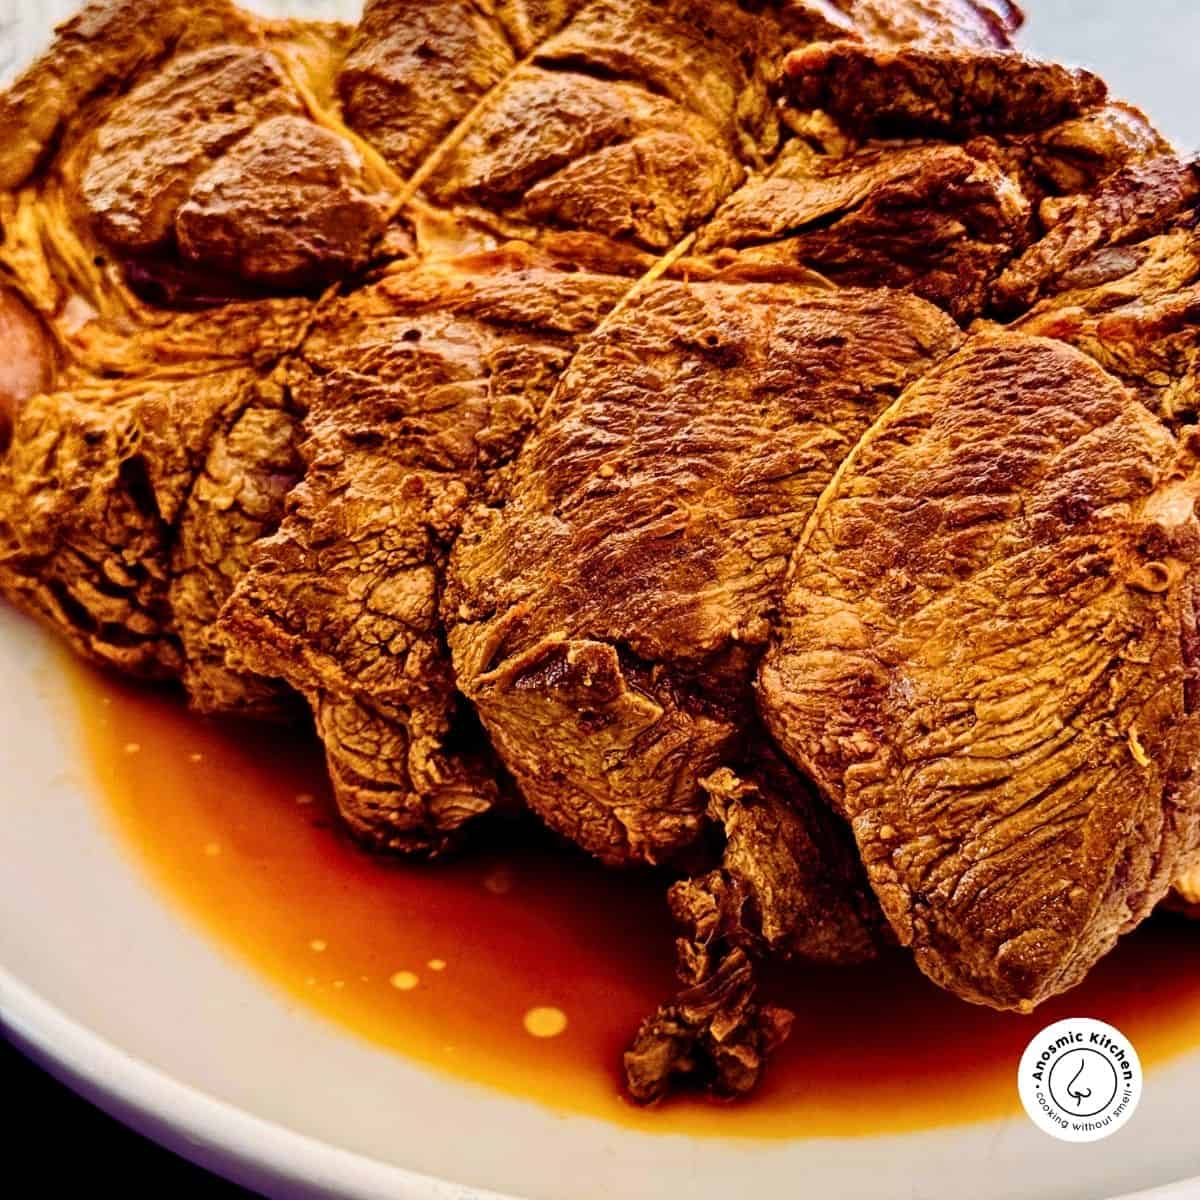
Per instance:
(126,509)
(1076,155)
(148,445)
(606,620)
(986,660)
(416,388)
(949,219)
(918,90)
(931,217)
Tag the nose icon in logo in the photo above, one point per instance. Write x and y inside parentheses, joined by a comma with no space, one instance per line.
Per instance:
(1083,1082)
(1074,1091)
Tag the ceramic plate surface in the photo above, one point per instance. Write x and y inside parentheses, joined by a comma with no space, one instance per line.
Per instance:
(122,996)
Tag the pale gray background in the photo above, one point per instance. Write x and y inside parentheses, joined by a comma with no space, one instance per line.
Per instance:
(1148,50)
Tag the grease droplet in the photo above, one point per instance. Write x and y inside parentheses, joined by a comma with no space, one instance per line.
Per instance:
(545,1022)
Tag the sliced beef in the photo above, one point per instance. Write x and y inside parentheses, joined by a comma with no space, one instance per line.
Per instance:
(789,885)
(1136,201)
(288,206)
(1076,155)
(590,154)
(620,575)
(416,389)
(152,445)
(128,507)
(605,621)
(986,661)
(950,220)
(634,120)
(933,217)
(917,90)
(251,464)
(1117,274)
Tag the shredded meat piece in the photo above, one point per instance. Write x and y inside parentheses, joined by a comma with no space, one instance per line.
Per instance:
(789,885)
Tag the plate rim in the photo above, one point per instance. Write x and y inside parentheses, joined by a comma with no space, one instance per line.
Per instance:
(230,1141)
(221,1137)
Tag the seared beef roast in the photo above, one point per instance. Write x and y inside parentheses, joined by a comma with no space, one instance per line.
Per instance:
(491,363)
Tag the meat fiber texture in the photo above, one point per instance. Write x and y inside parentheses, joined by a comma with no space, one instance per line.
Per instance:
(486,377)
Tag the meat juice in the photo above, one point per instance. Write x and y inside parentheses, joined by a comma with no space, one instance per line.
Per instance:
(527,968)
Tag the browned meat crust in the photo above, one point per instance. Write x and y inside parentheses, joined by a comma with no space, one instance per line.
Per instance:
(959,222)
(415,69)
(605,620)
(126,509)
(933,218)
(876,92)
(958,23)
(240,213)
(635,120)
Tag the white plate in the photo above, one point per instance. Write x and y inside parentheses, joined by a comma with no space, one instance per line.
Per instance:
(126,1000)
